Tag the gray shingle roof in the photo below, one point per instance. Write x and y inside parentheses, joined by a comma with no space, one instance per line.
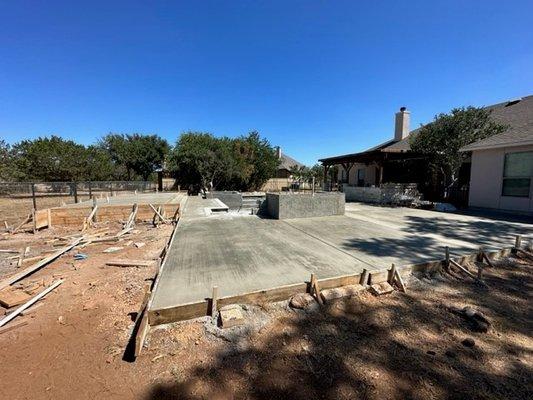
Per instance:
(518,116)
(288,162)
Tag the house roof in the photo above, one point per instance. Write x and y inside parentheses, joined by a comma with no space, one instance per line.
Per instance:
(288,162)
(517,114)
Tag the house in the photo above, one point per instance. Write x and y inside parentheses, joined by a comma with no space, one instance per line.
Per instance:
(502,165)
(393,161)
(286,164)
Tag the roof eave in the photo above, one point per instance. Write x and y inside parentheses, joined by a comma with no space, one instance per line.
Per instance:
(473,147)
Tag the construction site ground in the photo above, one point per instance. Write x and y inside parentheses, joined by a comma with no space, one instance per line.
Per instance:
(396,346)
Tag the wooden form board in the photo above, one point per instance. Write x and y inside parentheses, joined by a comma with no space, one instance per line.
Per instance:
(42,218)
(198,309)
(67,216)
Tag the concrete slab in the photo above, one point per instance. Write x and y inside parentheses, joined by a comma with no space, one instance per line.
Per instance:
(240,254)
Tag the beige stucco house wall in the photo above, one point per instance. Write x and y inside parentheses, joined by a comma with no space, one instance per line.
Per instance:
(486,180)
(370,174)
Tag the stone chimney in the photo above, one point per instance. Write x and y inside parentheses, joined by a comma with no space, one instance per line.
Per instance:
(401,126)
(278,152)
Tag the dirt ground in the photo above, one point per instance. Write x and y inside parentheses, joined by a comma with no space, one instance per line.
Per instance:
(398,346)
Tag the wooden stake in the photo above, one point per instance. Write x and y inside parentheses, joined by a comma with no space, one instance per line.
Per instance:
(518,242)
(470,274)
(488,260)
(315,289)
(141,322)
(399,280)
(28,219)
(392,273)
(214,300)
(363,280)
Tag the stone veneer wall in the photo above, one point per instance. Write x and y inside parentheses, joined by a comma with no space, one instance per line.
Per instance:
(304,205)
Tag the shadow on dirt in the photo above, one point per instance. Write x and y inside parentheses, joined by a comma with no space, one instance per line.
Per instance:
(404,346)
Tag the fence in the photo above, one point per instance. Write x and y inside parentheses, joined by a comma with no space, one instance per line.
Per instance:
(17,199)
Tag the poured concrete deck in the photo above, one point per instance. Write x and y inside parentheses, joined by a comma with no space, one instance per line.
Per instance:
(244,253)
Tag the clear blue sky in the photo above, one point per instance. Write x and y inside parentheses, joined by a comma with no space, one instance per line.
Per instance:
(318,78)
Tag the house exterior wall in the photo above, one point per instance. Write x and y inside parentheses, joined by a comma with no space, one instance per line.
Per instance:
(370,174)
(486,180)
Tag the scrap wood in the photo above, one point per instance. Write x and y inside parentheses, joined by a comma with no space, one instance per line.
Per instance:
(11,298)
(487,259)
(158,214)
(27,220)
(130,263)
(28,304)
(8,251)
(29,270)
(12,326)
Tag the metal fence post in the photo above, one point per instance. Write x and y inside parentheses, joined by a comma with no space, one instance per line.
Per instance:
(90,190)
(33,196)
(75,192)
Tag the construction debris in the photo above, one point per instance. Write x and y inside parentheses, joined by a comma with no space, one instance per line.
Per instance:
(12,326)
(28,304)
(11,298)
(130,263)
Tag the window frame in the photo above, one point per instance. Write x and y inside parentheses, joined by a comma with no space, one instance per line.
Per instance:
(522,177)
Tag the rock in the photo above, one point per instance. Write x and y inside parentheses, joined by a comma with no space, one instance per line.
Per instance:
(468,342)
(382,288)
(231,316)
(301,301)
(450,353)
(139,244)
(469,312)
(431,352)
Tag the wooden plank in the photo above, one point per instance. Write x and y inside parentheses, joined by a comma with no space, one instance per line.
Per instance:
(130,263)
(214,299)
(463,269)
(27,220)
(28,304)
(31,269)
(399,280)
(141,326)
(13,297)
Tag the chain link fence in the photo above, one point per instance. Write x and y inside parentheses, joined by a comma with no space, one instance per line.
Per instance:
(17,199)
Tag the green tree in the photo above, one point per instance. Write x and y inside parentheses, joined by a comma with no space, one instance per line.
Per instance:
(49,159)
(6,171)
(441,139)
(140,155)
(201,158)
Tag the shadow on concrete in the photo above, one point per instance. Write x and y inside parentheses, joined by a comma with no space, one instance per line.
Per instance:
(418,243)
(376,350)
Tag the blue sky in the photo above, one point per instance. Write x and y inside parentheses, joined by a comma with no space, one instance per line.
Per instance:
(318,78)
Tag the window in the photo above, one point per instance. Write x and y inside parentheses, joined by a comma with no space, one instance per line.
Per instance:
(517,173)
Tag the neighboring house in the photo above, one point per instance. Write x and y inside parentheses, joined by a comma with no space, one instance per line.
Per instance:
(286,163)
(393,161)
(502,165)
(283,178)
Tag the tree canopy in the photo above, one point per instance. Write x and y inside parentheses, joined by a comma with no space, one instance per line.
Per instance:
(441,139)
(243,163)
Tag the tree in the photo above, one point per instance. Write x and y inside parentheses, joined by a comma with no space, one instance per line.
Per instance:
(49,159)
(441,139)
(244,163)
(257,162)
(6,171)
(200,158)
(138,154)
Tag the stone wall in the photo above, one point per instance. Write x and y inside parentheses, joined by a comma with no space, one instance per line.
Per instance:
(304,205)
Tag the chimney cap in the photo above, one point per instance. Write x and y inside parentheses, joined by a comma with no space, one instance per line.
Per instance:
(403,108)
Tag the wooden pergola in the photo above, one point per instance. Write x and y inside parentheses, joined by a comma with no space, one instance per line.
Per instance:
(378,157)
